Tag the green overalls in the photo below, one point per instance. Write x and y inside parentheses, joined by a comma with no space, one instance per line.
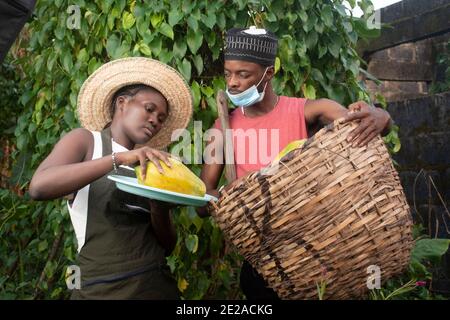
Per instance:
(121,258)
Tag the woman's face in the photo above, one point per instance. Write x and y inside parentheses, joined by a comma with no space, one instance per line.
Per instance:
(143,114)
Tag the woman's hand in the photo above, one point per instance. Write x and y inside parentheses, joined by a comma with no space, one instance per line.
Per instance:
(162,223)
(373,121)
(160,207)
(143,154)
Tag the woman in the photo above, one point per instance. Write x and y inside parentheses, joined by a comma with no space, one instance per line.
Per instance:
(122,238)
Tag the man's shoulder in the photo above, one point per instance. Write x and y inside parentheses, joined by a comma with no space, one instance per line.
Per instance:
(292,104)
(292,98)
(321,102)
(295,100)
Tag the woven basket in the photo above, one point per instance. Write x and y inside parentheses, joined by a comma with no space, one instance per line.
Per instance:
(325,215)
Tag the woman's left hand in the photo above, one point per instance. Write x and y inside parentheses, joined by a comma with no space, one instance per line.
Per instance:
(162,224)
(157,206)
(372,122)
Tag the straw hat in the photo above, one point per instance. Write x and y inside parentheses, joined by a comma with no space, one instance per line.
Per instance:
(94,99)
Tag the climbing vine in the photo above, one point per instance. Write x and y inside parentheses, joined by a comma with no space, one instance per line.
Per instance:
(70,39)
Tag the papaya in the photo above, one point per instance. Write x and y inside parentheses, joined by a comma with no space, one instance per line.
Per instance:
(291,146)
(178,178)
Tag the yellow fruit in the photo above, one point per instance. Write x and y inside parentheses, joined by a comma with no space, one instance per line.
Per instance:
(291,146)
(182,284)
(178,178)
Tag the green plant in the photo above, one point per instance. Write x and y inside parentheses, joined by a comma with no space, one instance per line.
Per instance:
(9,96)
(443,62)
(317,58)
(321,289)
(35,244)
(412,285)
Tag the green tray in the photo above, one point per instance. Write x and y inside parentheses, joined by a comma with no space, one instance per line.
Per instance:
(131,185)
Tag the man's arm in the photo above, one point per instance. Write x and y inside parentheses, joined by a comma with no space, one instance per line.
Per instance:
(373,121)
(323,111)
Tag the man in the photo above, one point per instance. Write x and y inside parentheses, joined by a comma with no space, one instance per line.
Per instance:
(249,68)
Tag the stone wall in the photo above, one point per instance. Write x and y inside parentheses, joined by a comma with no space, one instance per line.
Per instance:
(424,157)
(410,21)
(424,168)
(407,70)
(404,57)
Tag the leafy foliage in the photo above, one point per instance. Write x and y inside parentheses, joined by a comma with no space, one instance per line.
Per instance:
(317,58)
(414,283)
(443,62)
(9,96)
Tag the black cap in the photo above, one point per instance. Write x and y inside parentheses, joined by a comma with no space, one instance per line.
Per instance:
(253,45)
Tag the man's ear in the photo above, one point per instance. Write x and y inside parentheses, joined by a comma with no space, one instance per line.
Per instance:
(270,73)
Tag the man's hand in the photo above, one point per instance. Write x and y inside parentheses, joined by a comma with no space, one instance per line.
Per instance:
(373,121)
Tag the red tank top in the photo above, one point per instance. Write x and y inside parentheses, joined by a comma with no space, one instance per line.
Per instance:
(257,141)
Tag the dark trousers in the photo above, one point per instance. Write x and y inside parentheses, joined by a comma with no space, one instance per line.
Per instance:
(155,284)
(253,284)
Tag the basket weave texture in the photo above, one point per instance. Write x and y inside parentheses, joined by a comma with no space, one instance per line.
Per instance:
(324,216)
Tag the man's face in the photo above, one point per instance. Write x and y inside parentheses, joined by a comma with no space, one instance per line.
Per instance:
(241,75)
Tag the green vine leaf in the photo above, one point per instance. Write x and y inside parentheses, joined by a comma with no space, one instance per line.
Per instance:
(316,59)
(128,20)
(166,30)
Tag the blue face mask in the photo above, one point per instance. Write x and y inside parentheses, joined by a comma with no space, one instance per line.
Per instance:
(248,97)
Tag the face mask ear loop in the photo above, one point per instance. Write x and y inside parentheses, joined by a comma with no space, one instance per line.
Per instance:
(265,86)
(265,71)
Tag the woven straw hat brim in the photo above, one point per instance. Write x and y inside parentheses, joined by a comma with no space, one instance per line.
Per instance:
(94,99)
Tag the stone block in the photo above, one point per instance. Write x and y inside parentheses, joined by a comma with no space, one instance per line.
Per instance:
(410,23)
(424,51)
(401,70)
(408,148)
(419,115)
(409,8)
(434,149)
(381,55)
(405,52)
(401,90)
(441,112)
